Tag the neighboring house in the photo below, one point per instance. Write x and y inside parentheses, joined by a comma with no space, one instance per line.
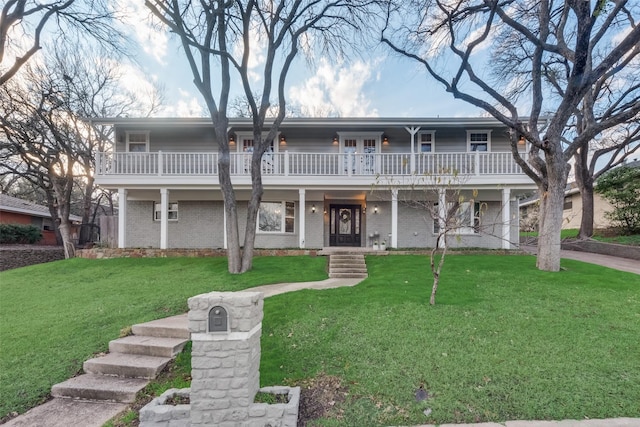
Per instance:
(571,213)
(17,211)
(572,208)
(319,181)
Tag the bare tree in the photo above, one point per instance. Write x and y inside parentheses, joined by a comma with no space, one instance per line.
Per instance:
(583,44)
(23,25)
(218,37)
(45,136)
(451,209)
(605,152)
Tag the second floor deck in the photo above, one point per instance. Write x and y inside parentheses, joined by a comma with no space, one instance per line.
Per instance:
(309,164)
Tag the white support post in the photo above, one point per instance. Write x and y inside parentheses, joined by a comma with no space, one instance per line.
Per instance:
(224,226)
(286,162)
(160,163)
(413,131)
(442,215)
(122,218)
(164,218)
(506,218)
(394,218)
(302,222)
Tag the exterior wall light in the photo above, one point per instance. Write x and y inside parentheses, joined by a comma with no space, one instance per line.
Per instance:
(385,139)
(313,208)
(521,141)
(375,209)
(283,139)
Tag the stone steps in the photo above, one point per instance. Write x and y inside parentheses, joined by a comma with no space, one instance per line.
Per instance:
(133,360)
(148,346)
(347,265)
(100,387)
(126,365)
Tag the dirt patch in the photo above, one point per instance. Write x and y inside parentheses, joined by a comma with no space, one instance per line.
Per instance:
(319,396)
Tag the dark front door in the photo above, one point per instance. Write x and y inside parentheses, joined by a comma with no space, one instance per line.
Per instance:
(344,225)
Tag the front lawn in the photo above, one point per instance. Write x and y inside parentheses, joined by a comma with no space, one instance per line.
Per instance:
(55,316)
(505,341)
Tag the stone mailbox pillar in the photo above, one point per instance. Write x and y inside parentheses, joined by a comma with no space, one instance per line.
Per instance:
(225,331)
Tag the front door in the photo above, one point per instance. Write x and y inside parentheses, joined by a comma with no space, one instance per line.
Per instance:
(344,225)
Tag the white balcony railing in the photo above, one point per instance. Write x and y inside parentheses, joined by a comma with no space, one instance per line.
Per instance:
(309,164)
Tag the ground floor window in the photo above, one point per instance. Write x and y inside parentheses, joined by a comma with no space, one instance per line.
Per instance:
(463,218)
(172,212)
(276,217)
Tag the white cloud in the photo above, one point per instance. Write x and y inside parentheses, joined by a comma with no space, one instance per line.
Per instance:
(335,89)
(152,39)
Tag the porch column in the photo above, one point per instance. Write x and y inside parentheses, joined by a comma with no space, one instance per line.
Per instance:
(506,218)
(164,218)
(442,216)
(224,225)
(394,218)
(413,131)
(303,211)
(122,218)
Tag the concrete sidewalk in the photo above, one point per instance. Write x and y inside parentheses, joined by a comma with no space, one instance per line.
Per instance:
(617,263)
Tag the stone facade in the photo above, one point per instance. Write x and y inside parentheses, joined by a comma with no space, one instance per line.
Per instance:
(225,370)
(107,253)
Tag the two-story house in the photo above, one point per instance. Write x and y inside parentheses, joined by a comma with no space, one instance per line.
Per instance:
(325,181)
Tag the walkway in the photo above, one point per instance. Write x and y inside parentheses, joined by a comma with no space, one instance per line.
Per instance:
(617,263)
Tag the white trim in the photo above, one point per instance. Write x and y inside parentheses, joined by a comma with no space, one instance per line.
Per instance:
(283,218)
(122,218)
(146,143)
(432,142)
(394,218)
(485,131)
(226,336)
(506,217)
(360,137)
(164,217)
(302,209)
(241,136)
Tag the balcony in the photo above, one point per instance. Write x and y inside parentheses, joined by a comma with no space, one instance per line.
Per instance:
(290,164)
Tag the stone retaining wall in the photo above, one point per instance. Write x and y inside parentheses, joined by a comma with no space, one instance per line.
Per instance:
(612,249)
(106,253)
(23,255)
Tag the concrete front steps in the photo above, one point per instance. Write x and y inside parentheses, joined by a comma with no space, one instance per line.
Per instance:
(347,265)
(133,360)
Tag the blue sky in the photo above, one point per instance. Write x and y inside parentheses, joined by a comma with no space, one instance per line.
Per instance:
(377,84)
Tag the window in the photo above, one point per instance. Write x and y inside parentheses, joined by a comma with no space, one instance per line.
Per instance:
(276,217)
(426,140)
(138,142)
(478,140)
(172,213)
(465,220)
(568,203)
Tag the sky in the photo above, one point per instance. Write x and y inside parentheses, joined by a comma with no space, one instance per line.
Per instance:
(378,84)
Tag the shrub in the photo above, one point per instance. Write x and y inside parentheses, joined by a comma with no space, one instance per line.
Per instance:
(19,233)
(621,187)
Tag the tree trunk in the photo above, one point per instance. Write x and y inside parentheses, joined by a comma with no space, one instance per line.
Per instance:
(586,222)
(252,210)
(234,259)
(584,181)
(550,224)
(86,230)
(67,241)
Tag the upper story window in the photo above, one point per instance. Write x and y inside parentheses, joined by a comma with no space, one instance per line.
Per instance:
(276,217)
(138,141)
(172,211)
(246,143)
(426,141)
(478,140)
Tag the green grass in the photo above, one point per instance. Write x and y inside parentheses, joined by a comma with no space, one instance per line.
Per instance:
(54,316)
(572,233)
(505,341)
(633,240)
